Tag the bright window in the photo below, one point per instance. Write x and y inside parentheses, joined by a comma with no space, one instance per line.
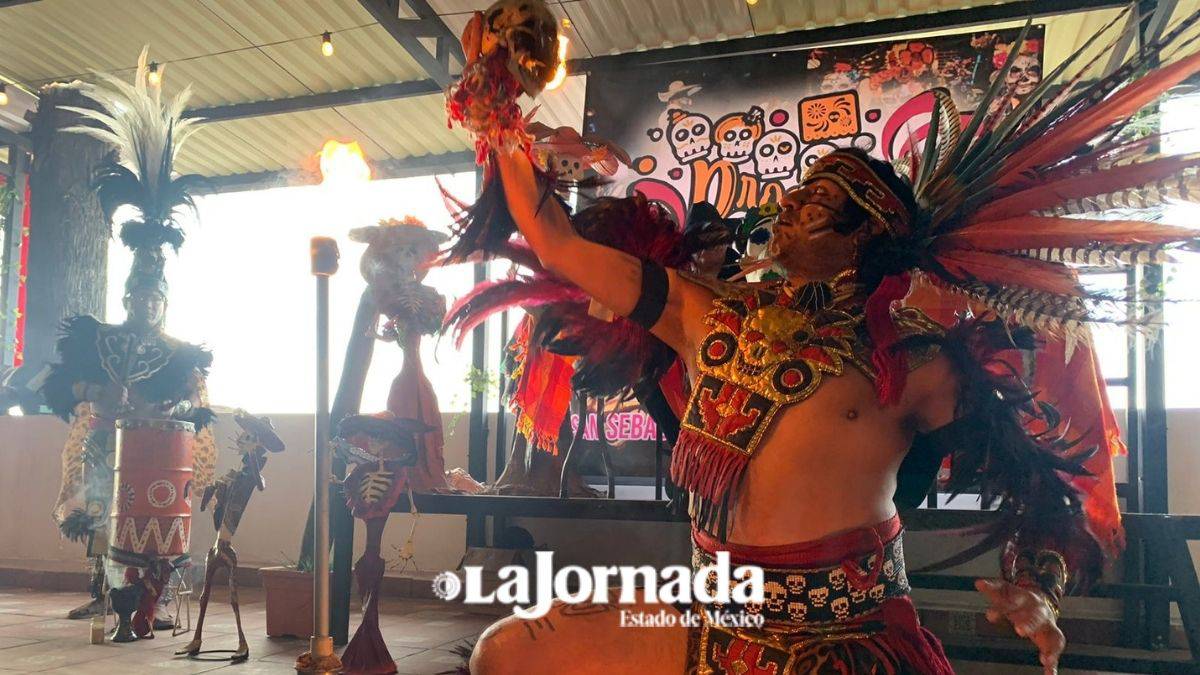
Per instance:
(242,286)
(1181,313)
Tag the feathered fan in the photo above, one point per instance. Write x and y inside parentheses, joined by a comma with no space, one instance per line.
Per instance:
(147,134)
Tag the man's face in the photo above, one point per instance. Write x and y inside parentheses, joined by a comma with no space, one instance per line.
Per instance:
(145,307)
(813,237)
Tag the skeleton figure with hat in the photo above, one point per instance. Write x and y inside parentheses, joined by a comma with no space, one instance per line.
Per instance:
(229,496)
(383,450)
(819,403)
(131,369)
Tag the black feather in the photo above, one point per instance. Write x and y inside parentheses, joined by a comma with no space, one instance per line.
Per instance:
(1024,476)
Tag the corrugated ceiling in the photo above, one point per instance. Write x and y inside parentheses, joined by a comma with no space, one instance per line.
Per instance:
(235,51)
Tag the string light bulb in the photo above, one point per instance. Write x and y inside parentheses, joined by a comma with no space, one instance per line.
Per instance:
(327,43)
(154,77)
(752,2)
(3,94)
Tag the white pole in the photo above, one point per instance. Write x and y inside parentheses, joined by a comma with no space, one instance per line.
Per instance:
(320,658)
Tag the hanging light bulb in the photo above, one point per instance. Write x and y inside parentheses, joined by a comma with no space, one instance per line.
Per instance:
(154,77)
(3,94)
(560,73)
(327,43)
(752,2)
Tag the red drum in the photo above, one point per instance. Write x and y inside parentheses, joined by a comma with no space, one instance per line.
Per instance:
(152,491)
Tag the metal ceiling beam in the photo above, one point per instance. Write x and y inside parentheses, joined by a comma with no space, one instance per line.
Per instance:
(408,167)
(407,32)
(382,92)
(8,137)
(871,30)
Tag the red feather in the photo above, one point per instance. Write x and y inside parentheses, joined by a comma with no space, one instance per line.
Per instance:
(490,297)
(1047,194)
(1026,232)
(1005,270)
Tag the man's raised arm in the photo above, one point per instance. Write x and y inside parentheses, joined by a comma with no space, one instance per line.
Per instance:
(612,277)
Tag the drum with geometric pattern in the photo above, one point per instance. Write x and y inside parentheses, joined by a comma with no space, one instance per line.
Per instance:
(152,491)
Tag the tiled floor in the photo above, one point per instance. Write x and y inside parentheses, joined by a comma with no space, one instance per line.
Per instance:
(35,639)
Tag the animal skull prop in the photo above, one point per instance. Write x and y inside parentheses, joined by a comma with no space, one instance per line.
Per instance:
(841,608)
(774,595)
(775,155)
(690,136)
(529,32)
(797,611)
(736,134)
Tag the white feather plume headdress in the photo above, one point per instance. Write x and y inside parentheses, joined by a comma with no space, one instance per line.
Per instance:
(147,134)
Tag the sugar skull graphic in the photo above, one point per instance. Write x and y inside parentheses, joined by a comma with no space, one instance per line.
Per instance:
(736,133)
(690,135)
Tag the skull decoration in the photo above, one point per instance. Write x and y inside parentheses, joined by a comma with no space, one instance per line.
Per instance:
(797,611)
(529,32)
(1024,75)
(841,608)
(775,595)
(837,578)
(394,265)
(569,155)
(877,592)
(775,155)
(753,608)
(858,595)
(737,132)
(690,135)
(889,569)
(818,596)
(796,583)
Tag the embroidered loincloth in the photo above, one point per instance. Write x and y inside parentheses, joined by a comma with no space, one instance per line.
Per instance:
(837,605)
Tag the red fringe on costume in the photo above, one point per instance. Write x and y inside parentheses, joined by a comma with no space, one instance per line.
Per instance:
(708,470)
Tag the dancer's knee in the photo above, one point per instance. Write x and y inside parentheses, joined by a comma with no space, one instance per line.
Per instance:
(496,652)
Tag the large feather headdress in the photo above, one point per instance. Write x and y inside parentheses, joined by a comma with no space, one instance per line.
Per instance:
(147,134)
(1014,203)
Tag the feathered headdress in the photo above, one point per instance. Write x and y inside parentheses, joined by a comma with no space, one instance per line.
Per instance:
(1010,205)
(147,134)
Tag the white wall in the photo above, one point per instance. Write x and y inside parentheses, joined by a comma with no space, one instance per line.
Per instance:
(270,532)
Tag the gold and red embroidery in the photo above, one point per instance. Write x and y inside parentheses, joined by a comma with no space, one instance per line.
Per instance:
(769,347)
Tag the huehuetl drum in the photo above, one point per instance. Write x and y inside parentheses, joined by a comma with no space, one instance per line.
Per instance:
(152,491)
